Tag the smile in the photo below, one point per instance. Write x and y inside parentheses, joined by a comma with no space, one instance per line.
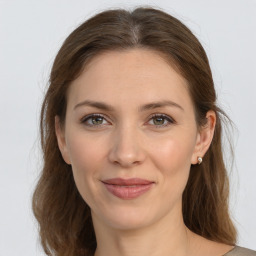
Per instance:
(127,188)
(128,192)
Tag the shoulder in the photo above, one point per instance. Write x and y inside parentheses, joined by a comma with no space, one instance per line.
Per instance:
(240,251)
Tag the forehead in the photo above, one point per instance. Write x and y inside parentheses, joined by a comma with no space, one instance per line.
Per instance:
(131,76)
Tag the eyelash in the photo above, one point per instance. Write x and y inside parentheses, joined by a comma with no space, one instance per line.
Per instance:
(165,117)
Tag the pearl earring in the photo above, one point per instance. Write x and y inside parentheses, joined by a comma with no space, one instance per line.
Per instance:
(199,160)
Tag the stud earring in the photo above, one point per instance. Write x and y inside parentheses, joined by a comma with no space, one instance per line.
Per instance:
(199,160)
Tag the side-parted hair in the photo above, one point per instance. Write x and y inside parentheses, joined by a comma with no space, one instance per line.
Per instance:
(64,217)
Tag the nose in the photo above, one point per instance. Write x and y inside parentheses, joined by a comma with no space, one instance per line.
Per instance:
(126,148)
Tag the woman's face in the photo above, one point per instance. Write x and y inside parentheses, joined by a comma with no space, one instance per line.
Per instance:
(129,115)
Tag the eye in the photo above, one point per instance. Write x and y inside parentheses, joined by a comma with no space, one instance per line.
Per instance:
(161,120)
(157,120)
(94,120)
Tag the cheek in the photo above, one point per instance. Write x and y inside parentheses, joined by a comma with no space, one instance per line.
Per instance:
(173,160)
(85,156)
(172,153)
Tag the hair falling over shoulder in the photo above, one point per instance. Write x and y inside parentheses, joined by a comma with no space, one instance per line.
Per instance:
(64,218)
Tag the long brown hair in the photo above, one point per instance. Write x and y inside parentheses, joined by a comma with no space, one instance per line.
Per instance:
(64,218)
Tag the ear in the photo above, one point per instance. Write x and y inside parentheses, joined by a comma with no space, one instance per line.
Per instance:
(204,137)
(59,131)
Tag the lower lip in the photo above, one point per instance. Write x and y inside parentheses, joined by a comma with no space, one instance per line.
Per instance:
(128,192)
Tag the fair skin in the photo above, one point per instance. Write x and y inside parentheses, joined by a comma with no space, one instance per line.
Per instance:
(127,141)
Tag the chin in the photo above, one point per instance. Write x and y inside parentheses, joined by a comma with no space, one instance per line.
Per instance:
(128,224)
(126,219)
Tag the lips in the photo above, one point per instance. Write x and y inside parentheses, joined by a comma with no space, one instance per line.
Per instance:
(127,182)
(128,188)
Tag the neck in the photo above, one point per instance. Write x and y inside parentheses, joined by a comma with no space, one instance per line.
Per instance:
(168,236)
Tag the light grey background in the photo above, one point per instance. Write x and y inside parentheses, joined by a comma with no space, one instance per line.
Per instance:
(31,32)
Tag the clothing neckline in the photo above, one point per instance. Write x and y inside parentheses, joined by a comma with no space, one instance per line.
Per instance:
(230,251)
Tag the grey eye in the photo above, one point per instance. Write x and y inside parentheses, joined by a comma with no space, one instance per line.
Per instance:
(159,120)
(97,120)
(94,120)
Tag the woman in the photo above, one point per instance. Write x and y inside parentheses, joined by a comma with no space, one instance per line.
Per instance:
(131,137)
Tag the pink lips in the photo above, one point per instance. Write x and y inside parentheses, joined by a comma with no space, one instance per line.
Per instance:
(128,188)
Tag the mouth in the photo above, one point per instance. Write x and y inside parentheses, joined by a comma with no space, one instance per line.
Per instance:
(127,182)
(128,188)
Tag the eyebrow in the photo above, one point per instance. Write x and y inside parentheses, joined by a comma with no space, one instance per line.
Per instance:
(152,105)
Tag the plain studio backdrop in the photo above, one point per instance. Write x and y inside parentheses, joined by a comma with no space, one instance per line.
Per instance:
(31,32)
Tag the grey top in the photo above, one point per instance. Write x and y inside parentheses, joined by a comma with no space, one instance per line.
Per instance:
(240,251)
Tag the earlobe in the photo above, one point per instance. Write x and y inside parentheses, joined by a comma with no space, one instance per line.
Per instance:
(204,137)
(61,140)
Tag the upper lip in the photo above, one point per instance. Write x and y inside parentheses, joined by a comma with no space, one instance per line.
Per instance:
(127,182)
